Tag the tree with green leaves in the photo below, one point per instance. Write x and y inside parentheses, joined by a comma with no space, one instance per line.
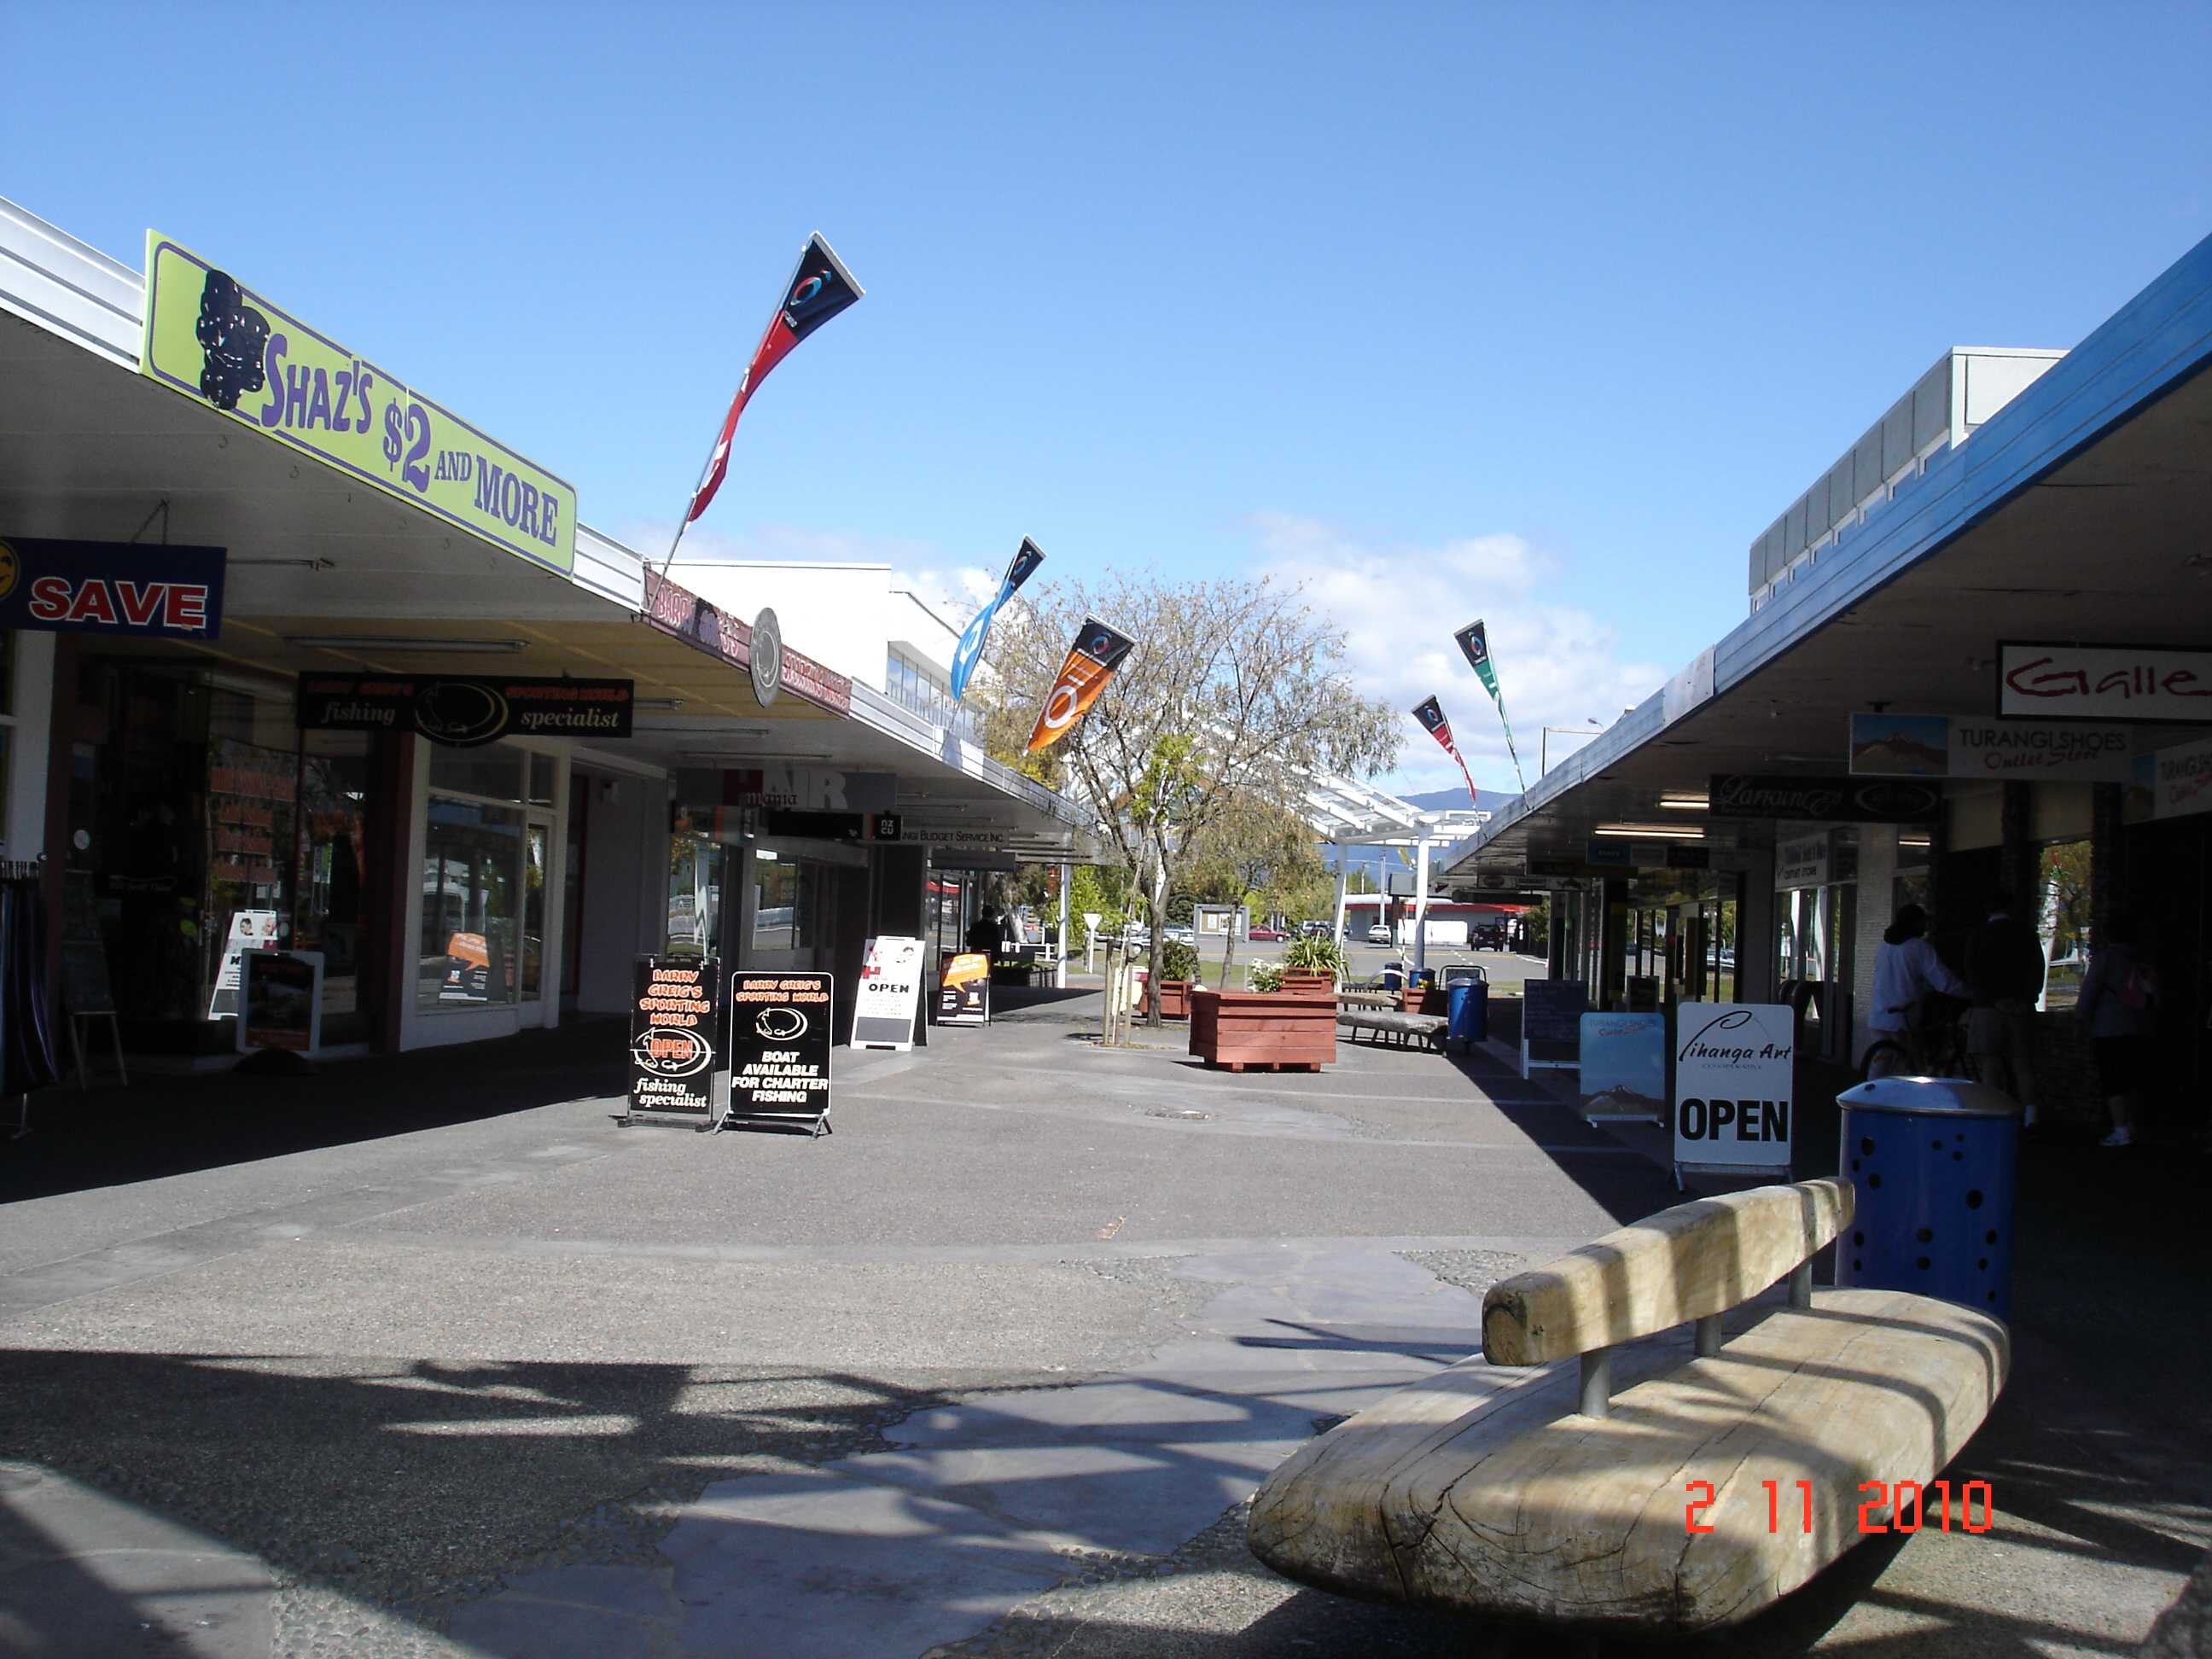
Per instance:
(1236,690)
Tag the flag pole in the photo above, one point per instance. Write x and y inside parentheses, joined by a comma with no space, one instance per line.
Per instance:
(684,523)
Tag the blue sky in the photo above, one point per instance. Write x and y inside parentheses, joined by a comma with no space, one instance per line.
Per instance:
(1536,312)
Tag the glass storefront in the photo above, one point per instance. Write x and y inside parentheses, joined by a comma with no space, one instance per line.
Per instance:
(696,873)
(486,852)
(795,911)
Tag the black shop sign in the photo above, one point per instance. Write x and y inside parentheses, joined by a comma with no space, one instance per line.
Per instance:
(1825,800)
(675,1051)
(462,711)
(781,1026)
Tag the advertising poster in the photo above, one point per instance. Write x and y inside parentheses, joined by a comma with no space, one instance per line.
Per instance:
(463,712)
(888,995)
(1734,1073)
(110,588)
(781,1027)
(214,340)
(964,994)
(1624,1071)
(281,1000)
(1962,746)
(673,1052)
(250,930)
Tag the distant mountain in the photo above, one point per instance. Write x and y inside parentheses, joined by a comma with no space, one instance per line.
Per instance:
(1440,801)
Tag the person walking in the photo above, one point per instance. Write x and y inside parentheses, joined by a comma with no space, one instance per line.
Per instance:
(1905,969)
(2119,1006)
(983,931)
(2004,972)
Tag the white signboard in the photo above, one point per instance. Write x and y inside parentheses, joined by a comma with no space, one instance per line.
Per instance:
(1974,746)
(250,930)
(2181,779)
(2104,682)
(1735,1066)
(889,994)
(1802,862)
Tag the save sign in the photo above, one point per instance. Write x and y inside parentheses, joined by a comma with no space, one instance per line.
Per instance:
(1735,1066)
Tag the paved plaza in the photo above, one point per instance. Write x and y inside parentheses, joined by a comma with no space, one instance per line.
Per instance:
(425,1356)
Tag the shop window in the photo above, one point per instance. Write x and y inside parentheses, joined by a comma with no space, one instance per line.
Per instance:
(493,773)
(779,923)
(473,886)
(695,895)
(333,884)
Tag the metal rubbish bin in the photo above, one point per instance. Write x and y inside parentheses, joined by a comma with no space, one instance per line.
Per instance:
(1466,1012)
(1933,1161)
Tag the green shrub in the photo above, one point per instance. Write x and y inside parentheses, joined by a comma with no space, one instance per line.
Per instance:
(1178,960)
(1315,955)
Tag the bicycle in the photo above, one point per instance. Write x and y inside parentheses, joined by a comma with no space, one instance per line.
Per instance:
(1936,1047)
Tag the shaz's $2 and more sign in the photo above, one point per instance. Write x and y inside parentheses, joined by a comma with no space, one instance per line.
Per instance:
(1733,1070)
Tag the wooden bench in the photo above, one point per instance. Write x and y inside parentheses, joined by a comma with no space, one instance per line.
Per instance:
(1381,1023)
(1575,1498)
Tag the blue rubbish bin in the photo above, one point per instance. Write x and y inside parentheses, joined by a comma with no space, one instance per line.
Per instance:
(1934,1162)
(1466,1012)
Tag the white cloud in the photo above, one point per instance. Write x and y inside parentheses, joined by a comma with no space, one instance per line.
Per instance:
(1398,605)
(955,592)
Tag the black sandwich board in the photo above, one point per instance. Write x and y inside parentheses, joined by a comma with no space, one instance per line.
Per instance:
(677,1049)
(781,1027)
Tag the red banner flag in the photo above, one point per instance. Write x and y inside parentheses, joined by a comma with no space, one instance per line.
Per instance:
(1091,660)
(1431,715)
(819,289)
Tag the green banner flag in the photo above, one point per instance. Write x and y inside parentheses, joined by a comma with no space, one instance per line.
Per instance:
(1474,640)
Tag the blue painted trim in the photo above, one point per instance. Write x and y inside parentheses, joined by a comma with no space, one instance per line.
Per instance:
(2150,345)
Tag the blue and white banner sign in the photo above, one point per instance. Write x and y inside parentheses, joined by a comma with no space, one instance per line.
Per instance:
(969,651)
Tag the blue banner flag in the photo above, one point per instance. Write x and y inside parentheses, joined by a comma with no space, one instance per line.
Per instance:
(969,651)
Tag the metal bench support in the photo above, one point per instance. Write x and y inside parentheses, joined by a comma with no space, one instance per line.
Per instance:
(1597,1382)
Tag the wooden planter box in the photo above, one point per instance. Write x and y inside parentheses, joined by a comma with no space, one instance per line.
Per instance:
(1237,1028)
(1298,982)
(1175,999)
(1424,999)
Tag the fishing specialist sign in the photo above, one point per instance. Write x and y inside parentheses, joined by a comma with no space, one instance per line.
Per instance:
(674,1057)
(463,712)
(212,339)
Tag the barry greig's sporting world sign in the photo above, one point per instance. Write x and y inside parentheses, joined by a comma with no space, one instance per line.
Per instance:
(673,1027)
(464,712)
(781,1026)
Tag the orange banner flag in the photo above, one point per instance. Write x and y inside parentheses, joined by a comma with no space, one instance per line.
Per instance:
(1091,660)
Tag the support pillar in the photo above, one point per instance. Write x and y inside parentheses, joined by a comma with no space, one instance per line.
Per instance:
(1421,905)
(1339,895)
(1060,966)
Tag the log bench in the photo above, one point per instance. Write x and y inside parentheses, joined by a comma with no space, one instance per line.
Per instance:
(1629,1495)
(1382,1023)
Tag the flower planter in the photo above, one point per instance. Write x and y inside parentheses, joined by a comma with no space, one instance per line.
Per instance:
(1423,1000)
(1175,999)
(1240,1029)
(1297,981)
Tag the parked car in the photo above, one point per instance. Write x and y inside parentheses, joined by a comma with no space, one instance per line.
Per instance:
(1317,929)
(1265,933)
(1182,935)
(1378,935)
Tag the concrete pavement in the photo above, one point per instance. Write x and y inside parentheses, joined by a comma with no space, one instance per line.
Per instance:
(989,1370)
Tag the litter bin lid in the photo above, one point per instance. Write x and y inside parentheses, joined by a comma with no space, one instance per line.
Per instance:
(1933,1096)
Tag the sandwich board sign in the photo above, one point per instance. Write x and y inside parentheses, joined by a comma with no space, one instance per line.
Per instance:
(963,995)
(781,1027)
(888,995)
(1735,1069)
(677,1054)
(1624,1068)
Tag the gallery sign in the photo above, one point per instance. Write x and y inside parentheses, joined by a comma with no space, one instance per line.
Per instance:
(780,1029)
(224,346)
(1977,746)
(110,588)
(673,1051)
(462,713)
(2136,683)
(1824,799)
(1734,1076)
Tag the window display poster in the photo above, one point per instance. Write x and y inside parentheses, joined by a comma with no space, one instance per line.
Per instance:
(1623,1067)
(250,930)
(780,1029)
(280,998)
(1733,1071)
(888,995)
(673,1052)
(964,994)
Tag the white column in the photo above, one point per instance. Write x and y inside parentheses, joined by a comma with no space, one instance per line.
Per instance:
(1339,893)
(1060,968)
(1421,905)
